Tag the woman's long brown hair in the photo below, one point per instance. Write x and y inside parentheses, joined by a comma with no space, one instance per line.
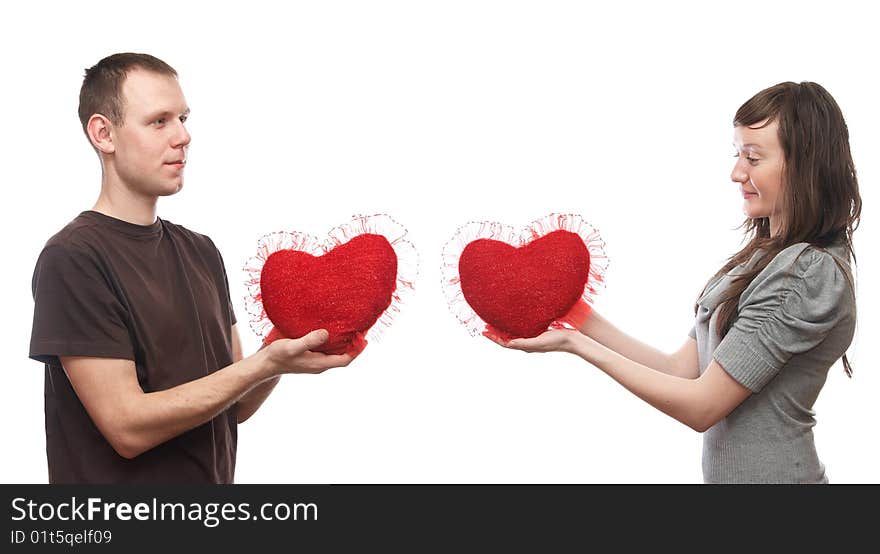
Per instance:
(820,197)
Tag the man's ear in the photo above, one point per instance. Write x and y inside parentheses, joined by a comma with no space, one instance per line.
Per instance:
(99,129)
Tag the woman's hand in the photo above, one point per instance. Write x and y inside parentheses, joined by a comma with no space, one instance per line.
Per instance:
(555,340)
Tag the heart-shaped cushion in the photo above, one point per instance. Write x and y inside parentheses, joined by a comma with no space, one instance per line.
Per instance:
(507,283)
(521,291)
(343,291)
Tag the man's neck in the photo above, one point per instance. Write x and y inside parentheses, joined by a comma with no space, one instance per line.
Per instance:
(119,202)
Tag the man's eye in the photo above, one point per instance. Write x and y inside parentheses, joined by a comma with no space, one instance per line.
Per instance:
(183,118)
(160,121)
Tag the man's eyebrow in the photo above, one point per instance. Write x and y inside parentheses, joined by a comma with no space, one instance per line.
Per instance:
(166,113)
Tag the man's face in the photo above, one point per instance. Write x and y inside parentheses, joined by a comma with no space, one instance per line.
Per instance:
(150,146)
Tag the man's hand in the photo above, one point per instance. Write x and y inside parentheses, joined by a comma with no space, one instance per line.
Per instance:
(296,356)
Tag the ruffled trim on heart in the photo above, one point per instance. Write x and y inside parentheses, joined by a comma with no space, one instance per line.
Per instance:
(378,224)
(451,281)
(253,267)
(592,239)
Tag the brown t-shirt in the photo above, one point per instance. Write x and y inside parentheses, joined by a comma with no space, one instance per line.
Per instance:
(156,294)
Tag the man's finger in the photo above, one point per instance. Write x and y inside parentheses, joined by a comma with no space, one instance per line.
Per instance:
(318,363)
(314,339)
(335,360)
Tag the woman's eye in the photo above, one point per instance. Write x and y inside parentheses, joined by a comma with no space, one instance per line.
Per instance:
(751,160)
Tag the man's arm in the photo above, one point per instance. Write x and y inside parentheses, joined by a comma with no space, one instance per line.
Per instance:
(133,421)
(682,363)
(253,399)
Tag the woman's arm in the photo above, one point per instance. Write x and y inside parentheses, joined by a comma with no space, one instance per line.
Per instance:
(698,403)
(681,363)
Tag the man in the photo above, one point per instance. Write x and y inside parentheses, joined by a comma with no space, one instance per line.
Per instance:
(145,380)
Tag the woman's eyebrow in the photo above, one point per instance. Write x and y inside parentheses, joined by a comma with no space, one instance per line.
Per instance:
(750,145)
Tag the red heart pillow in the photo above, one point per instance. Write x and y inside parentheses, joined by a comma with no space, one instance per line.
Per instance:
(344,286)
(344,291)
(519,285)
(520,291)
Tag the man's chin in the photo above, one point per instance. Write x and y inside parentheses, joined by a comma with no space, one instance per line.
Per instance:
(172,190)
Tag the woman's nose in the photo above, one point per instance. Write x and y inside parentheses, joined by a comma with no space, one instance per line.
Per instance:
(739,173)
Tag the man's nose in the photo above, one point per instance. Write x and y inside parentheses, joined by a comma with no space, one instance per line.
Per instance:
(181,136)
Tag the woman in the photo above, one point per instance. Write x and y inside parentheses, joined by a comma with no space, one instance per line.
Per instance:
(775,318)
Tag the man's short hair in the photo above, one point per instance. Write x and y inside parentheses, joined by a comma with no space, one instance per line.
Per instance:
(101,90)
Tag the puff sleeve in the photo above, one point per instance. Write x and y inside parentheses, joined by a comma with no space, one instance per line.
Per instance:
(789,308)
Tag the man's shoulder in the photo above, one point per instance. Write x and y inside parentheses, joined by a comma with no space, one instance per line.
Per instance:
(77,234)
(196,249)
(199,239)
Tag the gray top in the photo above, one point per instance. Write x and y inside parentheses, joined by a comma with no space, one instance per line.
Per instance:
(795,320)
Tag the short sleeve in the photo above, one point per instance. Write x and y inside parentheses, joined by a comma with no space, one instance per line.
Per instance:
(76,312)
(788,309)
(227,296)
(693,332)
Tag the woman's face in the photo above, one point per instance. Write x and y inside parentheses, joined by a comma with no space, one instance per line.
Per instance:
(758,171)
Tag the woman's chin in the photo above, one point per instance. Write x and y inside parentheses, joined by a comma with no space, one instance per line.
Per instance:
(753,212)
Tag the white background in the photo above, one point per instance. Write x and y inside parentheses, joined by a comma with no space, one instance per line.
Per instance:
(437,114)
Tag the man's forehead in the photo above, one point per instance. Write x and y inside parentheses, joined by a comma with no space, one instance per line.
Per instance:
(145,90)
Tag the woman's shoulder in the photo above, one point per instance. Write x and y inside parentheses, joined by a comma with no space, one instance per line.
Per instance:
(815,270)
(802,259)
